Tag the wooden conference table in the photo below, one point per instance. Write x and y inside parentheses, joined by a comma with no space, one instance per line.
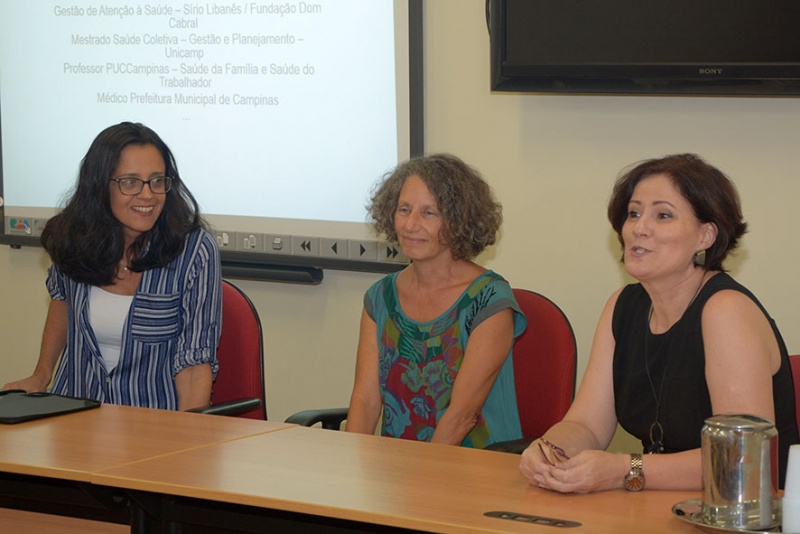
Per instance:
(258,476)
(48,464)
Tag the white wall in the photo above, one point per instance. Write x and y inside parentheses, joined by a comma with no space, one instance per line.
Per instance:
(552,161)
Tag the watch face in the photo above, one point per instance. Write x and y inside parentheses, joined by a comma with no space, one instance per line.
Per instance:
(634,482)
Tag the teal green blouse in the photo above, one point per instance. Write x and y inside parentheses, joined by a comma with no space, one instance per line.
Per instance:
(419,362)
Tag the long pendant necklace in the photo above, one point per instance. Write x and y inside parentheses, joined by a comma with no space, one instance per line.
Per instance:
(656,430)
(656,433)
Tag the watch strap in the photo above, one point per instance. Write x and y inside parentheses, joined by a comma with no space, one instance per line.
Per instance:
(636,464)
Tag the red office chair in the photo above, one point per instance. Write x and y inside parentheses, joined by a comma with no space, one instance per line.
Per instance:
(239,387)
(545,361)
(794,360)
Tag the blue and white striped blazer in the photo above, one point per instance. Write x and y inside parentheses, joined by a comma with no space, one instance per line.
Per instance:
(174,322)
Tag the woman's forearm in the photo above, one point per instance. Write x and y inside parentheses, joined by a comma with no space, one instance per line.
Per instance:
(194,386)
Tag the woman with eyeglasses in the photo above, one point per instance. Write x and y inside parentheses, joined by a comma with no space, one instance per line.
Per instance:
(135,287)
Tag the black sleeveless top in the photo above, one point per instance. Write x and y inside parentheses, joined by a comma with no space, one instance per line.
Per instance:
(677,358)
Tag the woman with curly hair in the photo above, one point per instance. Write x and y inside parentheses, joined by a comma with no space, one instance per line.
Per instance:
(135,284)
(434,352)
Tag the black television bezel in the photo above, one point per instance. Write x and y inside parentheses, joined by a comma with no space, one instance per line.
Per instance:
(690,79)
(301,269)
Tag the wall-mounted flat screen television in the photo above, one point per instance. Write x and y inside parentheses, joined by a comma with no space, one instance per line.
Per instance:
(693,47)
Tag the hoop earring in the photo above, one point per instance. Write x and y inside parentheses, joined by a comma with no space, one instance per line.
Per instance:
(699,258)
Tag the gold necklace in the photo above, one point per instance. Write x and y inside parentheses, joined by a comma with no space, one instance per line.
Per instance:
(123,270)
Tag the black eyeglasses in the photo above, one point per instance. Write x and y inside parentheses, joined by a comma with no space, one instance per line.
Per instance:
(131,186)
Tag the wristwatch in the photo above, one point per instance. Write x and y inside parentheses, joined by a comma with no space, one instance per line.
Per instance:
(634,480)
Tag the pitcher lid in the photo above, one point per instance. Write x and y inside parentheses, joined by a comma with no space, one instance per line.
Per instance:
(740,421)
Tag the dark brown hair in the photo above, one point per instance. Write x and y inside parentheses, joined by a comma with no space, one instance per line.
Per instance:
(708,190)
(86,241)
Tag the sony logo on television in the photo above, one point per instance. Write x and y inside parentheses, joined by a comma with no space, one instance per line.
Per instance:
(707,71)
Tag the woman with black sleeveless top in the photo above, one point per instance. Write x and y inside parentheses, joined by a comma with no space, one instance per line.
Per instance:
(685,343)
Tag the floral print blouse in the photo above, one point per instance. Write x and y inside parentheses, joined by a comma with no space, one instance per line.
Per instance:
(419,362)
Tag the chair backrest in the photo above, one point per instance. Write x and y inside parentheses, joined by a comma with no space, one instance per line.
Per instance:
(545,361)
(794,359)
(240,352)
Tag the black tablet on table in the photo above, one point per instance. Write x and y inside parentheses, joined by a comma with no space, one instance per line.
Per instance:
(17,406)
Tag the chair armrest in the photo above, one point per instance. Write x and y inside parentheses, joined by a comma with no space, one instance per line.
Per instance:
(231,407)
(331,418)
(514,446)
